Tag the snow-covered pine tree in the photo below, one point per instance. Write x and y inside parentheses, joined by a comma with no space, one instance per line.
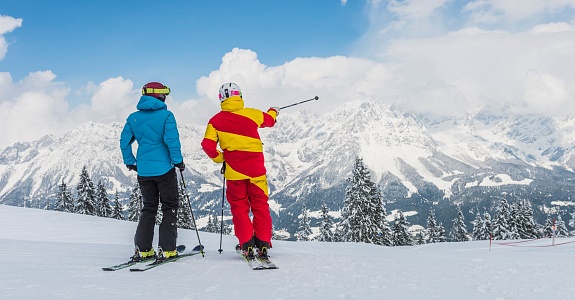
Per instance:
(337,233)
(103,200)
(135,204)
(482,227)
(304,229)
(572,222)
(459,230)
(432,231)
(159,214)
(401,235)
(561,228)
(228,228)
(325,233)
(211,227)
(64,200)
(377,208)
(184,213)
(86,195)
(419,238)
(548,226)
(526,225)
(501,227)
(514,220)
(478,225)
(441,233)
(117,211)
(361,215)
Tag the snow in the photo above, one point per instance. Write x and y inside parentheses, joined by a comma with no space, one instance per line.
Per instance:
(54,255)
(503,179)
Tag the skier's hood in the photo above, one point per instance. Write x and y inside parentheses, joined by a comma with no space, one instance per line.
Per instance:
(150,103)
(233,103)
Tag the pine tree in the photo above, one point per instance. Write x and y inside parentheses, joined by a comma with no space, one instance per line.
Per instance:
(476,232)
(325,233)
(548,228)
(184,212)
(304,229)
(561,228)
(117,212)
(86,195)
(526,225)
(159,214)
(64,200)
(211,227)
(135,204)
(459,230)
(104,201)
(363,217)
(401,235)
(419,238)
(482,227)
(572,222)
(227,228)
(432,230)
(337,233)
(501,226)
(440,233)
(385,236)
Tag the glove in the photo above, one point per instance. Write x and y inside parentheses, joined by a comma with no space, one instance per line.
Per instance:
(277,109)
(132,167)
(180,166)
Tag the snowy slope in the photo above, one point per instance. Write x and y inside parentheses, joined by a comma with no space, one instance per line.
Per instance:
(52,255)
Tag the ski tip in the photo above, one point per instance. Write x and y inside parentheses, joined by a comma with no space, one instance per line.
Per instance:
(199,248)
(180,248)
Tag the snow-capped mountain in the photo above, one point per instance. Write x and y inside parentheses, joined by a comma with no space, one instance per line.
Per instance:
(419,161)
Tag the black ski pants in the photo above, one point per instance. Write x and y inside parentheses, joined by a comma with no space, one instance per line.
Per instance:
(156,189)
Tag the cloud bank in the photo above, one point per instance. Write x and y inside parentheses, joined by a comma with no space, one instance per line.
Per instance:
(441,57)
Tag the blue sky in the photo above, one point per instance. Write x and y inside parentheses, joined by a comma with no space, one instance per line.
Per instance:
(175,42)
(66,62)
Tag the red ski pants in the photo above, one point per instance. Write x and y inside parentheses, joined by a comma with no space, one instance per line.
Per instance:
(245,196)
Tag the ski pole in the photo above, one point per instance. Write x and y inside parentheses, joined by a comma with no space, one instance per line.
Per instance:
(314,98)
(222,171)
(192,212)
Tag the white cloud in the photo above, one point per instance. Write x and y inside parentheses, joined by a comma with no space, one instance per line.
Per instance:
(7,24)
(474,67)
(38,105)
(112,99)
(493,11)
(415,9)
(31,108)
(335,79)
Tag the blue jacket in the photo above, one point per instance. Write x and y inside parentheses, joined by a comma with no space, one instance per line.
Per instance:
(154,127)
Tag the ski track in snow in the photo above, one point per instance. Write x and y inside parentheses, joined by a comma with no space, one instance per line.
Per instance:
(53,255)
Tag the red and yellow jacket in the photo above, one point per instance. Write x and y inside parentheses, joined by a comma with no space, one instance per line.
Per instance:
(235,128)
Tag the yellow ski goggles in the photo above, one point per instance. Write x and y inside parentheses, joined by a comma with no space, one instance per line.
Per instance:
(147,91)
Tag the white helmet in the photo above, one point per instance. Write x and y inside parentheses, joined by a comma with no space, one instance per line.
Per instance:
(229,89)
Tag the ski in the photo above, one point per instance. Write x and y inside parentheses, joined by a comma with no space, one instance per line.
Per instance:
(130,263)
(125,265)
(197,250)
(253,262)
(266,262)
